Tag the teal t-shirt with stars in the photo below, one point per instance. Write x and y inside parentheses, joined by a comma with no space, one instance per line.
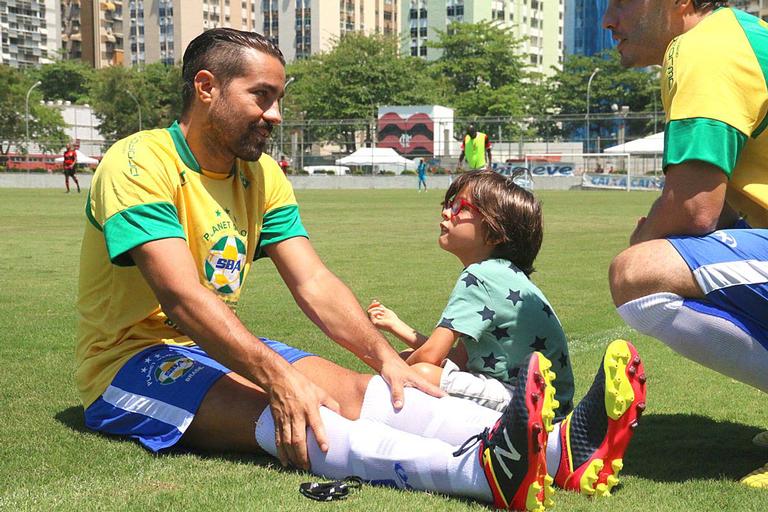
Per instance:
(502,317)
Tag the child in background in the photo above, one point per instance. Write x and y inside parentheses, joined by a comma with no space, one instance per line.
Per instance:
(495,315)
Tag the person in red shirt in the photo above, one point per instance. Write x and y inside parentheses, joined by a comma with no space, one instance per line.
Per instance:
(70,161)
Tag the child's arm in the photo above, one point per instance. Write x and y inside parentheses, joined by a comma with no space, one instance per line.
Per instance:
(436,348)
(386,319)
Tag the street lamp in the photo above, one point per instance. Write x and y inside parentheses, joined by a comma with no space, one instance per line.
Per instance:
(586,120)
(26,117)
(287,83)
(622,112)
(137,105)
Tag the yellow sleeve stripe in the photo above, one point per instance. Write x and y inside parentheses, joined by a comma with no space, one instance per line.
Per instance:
(708,140)
(138,225)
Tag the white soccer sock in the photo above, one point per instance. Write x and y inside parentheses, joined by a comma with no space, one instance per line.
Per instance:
(709,340)
(380,454)
(448,419)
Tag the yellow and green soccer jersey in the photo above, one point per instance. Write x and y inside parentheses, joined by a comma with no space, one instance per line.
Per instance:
(716,100)
(149,187)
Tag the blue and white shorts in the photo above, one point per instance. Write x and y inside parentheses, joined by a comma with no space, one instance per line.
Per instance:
(155,395)
(731,267)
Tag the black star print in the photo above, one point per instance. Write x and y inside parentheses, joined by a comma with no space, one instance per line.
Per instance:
(512,373)
(486,313)
(514,296)
(446,322)
(540,344)
(490,361)
(500,333)
(563,360)
(514,267)
(470,280)
(226,210)
(547,310)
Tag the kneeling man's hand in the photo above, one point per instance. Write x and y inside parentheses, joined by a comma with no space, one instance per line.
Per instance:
(295,403)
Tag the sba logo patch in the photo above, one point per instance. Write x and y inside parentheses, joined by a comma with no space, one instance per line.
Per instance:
(172,369)
(225,264)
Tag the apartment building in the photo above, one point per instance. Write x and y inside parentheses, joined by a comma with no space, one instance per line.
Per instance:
(301,28)
(29,33)
(758,8)
(584,33)
(538,22)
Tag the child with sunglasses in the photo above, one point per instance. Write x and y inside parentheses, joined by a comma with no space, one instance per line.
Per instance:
(495,315)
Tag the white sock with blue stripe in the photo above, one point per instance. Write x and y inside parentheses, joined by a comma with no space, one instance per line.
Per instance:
(710,340)
(383,455)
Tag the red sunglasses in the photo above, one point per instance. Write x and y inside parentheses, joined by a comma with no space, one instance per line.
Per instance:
(457,204)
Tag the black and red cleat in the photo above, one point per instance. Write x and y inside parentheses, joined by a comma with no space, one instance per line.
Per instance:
(513,454)
(596,434)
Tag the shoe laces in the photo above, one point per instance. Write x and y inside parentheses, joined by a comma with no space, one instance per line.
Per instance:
(472,441)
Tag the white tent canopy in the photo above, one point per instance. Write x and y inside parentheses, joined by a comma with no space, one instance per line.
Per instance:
(650,145)
(382,159)
(82,158)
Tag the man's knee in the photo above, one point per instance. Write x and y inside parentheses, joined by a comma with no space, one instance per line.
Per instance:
(648,268)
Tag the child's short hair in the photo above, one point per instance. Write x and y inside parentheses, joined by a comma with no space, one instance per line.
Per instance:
(511,215)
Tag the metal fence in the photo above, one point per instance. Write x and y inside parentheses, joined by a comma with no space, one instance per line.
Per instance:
(308,142)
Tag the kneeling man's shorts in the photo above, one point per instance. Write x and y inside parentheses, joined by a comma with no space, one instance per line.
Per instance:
(731,267)
(155,395)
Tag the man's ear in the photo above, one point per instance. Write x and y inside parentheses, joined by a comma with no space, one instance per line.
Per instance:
(205,83)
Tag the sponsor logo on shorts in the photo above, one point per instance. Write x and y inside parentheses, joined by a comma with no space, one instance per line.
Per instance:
(172,369)
(725,238)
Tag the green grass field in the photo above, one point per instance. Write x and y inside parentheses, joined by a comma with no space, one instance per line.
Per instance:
(693,444)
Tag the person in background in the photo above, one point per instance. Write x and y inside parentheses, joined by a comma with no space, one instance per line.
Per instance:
(475,149)
(70,167)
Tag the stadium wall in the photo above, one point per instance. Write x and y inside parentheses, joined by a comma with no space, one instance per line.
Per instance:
(56,180)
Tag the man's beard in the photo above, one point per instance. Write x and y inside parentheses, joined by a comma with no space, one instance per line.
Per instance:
(249,145)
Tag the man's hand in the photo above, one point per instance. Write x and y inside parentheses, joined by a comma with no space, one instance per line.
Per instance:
(398,375)
(295,403)
(381,316)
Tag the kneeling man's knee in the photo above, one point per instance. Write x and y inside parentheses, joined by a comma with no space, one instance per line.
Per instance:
(623,277)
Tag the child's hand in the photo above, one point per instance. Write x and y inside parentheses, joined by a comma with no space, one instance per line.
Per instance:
(381,316)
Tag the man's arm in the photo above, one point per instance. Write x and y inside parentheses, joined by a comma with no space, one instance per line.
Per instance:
(168,267)
(335,310)
(691,203)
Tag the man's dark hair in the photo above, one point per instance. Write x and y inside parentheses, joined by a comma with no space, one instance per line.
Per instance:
(702,5)
(220,51)
(511,215)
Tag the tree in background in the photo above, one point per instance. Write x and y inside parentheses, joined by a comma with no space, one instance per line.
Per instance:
(612,85)
(46,126)
(65,80)
(156,87)
(361,73)
(484,69)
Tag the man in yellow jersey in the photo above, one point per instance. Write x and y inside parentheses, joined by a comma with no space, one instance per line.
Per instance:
(175,218)
(475,149)
(696,273)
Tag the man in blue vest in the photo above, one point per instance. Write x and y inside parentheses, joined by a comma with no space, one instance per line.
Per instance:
(475,149)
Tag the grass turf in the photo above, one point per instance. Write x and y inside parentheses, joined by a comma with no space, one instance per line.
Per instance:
(692,446)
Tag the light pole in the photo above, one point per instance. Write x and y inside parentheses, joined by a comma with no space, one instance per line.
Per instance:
(137,105)
(586,120)
(26,118)
(287,83)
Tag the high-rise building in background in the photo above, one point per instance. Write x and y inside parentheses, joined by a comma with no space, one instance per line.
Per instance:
(538,22)
(757,8)
(301,27)
(29,31)
(584,33)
